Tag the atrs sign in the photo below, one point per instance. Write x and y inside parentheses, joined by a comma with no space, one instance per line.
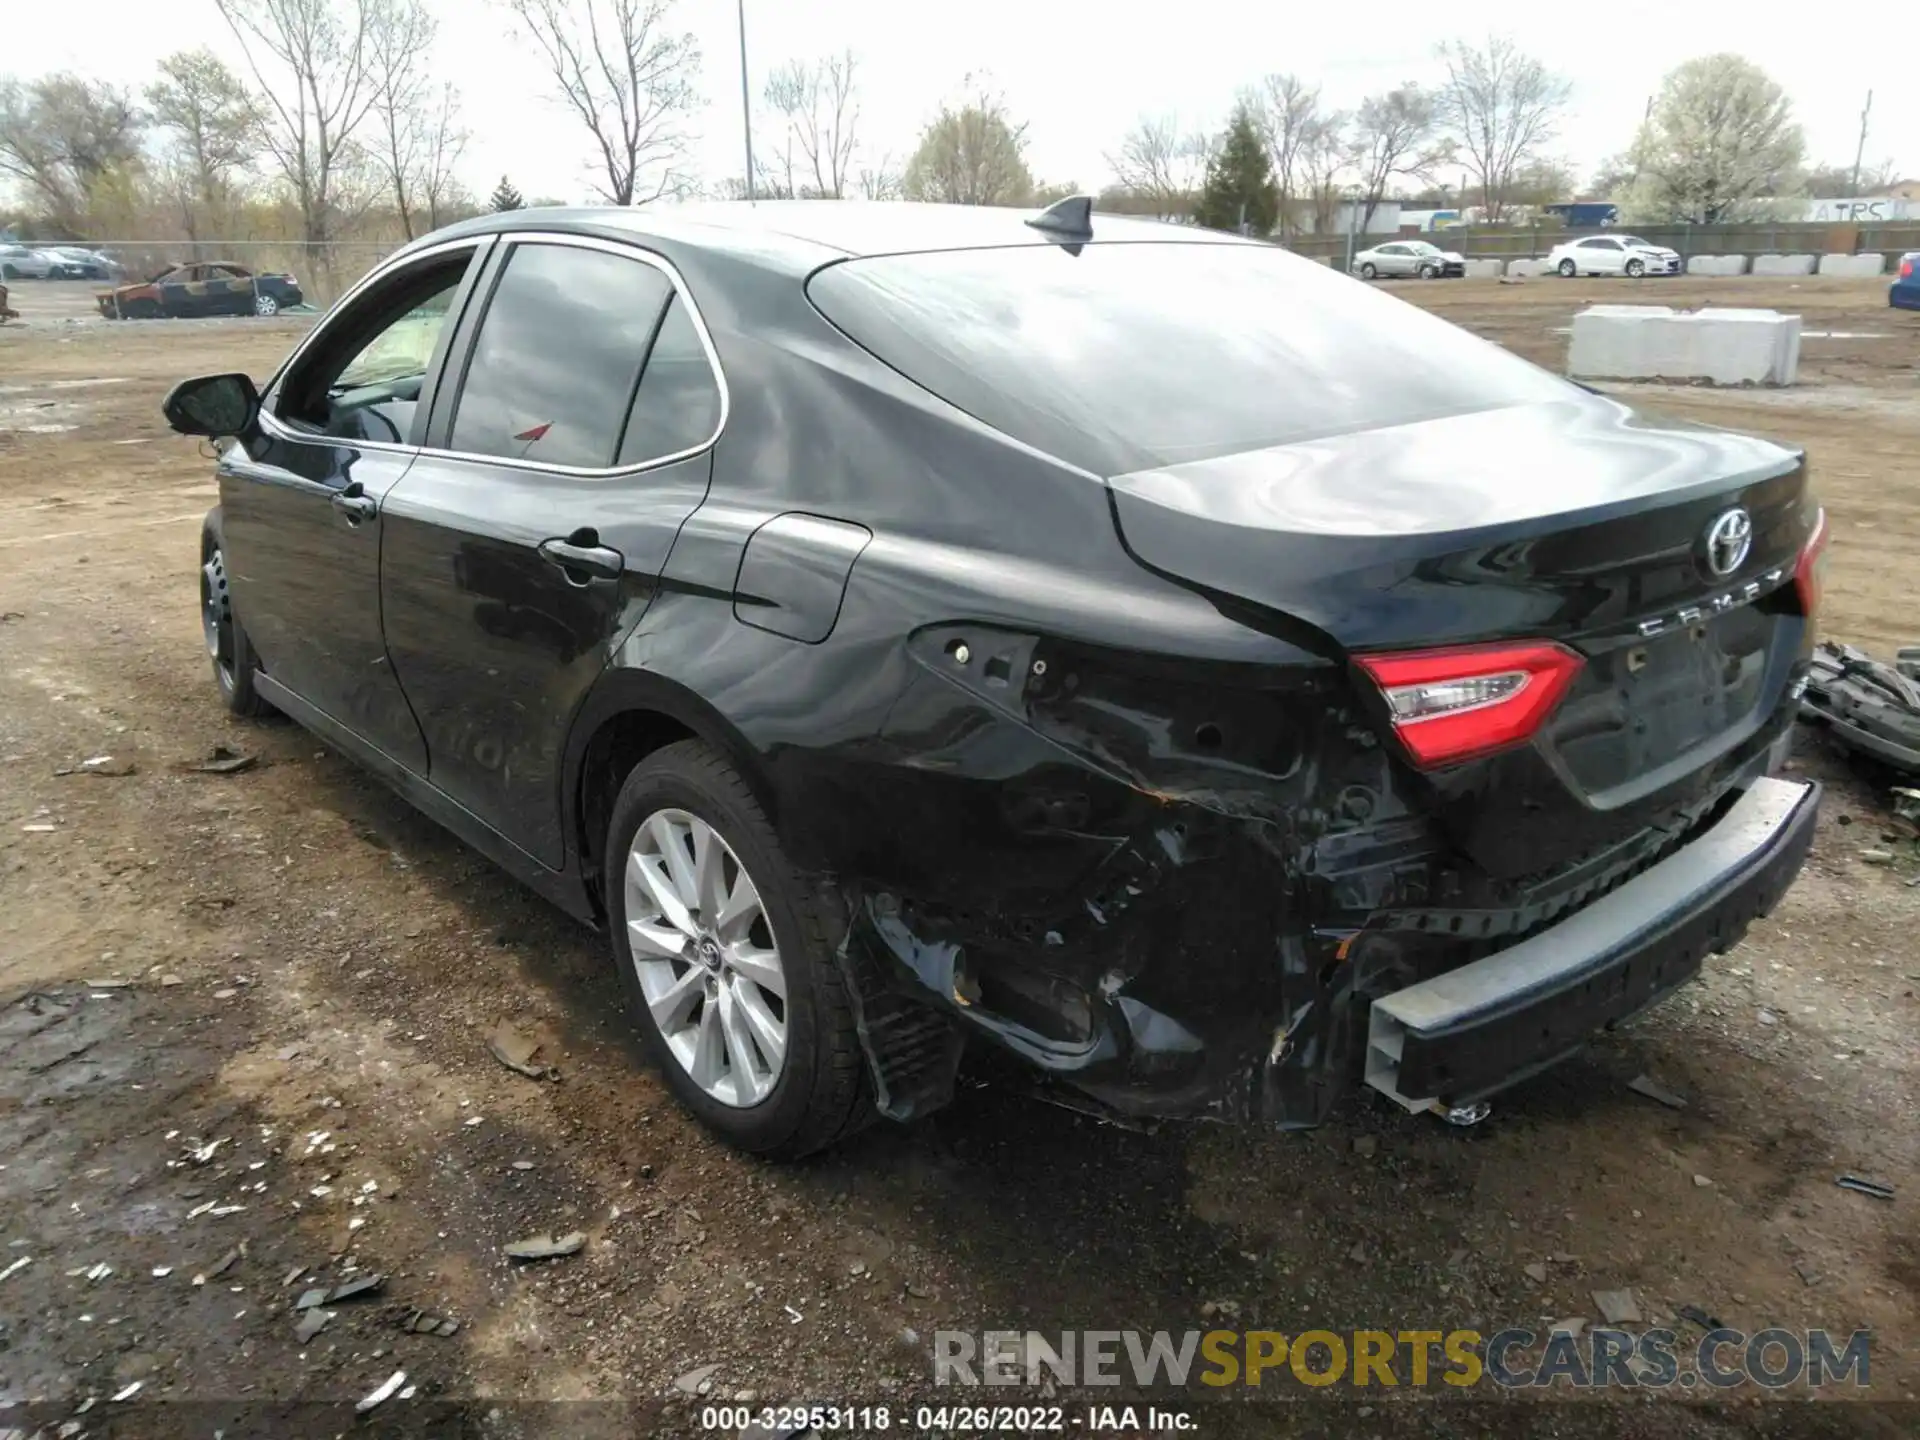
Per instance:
(1862,212)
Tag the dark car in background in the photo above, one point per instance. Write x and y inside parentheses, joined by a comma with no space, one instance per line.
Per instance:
(1904,293)
(906,628)
(216,287)
(77,263)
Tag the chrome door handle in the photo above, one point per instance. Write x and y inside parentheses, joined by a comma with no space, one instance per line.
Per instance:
(576,560)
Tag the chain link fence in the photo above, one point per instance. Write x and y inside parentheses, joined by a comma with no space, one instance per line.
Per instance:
(1505,242)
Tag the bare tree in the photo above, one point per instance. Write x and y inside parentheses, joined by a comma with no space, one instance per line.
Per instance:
(880,180)
(1503,107)
(443,141)
(212,124)
(1326,151)
(1164,164)
(1395,135)
(399,35)
(629,79)
(1838,182)
(1612,177)
(65,139)
(970,154)
(1542,181)
(1287,112)
(819,103)
(310,59)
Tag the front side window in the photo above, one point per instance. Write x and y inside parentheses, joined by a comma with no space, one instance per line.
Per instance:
(362,379)
(557,356)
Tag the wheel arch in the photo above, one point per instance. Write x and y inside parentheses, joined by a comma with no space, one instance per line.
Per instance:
(627,716)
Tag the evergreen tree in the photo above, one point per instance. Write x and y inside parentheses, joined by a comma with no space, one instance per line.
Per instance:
(505,197)
(1240,186)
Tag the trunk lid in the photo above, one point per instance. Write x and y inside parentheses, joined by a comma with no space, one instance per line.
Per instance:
(1575,521)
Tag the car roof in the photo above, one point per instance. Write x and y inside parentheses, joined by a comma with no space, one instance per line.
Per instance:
(804,234)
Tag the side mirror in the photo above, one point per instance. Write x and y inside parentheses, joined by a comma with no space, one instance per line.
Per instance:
(215,406)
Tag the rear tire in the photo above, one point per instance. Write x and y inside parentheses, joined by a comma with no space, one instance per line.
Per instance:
(1368,271)
(234,663)
(265,306)
(1566,268)
(682,802)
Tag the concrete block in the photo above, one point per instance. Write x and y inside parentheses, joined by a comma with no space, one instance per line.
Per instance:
(1716,264)
(1870,264)
(1783,264)
(1529,267)
(1657,342)
(1485,269)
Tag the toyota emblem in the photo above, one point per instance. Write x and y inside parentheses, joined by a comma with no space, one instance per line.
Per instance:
(1729,538)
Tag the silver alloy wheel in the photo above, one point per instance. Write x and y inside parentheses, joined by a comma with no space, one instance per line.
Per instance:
(707,961)
(265,305)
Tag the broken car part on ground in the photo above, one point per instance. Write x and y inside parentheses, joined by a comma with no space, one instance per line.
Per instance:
(909,627)
(1871,708)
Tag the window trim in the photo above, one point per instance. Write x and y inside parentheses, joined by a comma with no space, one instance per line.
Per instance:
(510,241)
(480,245)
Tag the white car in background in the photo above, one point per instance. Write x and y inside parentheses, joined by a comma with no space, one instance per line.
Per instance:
(1409,257)
(1613,255)
(17,262)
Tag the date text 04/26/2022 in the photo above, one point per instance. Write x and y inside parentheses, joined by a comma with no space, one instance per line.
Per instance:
(949,1419)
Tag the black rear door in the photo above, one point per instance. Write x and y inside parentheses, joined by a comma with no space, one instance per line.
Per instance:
(527,538)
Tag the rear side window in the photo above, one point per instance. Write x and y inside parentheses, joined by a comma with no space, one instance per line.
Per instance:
(557,356)
(677,406)
(1134,356)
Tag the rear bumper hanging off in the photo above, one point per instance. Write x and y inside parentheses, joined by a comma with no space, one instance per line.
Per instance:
(1470,1032)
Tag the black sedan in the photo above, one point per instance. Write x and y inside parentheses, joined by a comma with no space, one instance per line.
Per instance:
(909,628)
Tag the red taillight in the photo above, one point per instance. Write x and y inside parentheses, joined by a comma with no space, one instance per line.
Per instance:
(1457,704)
(1906,268)
(1809,571)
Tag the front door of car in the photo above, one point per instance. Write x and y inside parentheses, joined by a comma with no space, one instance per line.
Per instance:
(301,499)
(1607,257)
(528,538)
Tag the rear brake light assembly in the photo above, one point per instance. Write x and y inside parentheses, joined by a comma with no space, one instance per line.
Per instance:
(1809,572)
(1906,267)
(1471,700)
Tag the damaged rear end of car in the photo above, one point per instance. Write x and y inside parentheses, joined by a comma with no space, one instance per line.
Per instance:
(1495,768)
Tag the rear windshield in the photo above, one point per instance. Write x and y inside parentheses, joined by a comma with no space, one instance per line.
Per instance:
(1132,356)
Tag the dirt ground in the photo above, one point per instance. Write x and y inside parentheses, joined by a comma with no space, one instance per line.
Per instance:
(244,1022)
